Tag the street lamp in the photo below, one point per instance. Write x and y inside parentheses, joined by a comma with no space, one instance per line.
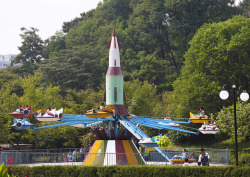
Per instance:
(244,96)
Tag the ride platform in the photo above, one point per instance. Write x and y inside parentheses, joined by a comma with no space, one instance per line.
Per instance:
(113,152)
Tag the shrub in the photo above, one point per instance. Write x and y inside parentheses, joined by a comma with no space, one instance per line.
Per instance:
(130,171)
(244,159)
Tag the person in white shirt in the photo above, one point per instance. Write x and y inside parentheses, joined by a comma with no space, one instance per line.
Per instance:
(75,155)
(186,162)
(203,158)
(102,106)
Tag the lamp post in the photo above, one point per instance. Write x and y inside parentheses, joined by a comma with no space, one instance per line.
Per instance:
(244,96)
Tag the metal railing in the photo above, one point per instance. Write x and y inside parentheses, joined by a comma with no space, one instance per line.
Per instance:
(66,157)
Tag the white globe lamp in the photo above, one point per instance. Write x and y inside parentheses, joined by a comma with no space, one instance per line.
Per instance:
(224,95)
(244,96)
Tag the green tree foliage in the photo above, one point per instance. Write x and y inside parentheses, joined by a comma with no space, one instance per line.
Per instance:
(245,7)
(82,64)
(80,101)
(15,91)
(32,50)
(55,137)
(219,54)
(141,98)
(186,16)
(163,141)
(77,21)
(154,35)
(54,44)
(32,47)
(112,10)
(225,121)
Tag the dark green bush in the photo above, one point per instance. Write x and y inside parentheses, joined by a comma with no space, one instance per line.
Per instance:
(244,159)
(129,171)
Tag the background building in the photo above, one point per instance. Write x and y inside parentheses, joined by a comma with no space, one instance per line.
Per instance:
(5,60)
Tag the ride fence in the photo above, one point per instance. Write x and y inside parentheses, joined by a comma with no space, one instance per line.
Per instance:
(218,157)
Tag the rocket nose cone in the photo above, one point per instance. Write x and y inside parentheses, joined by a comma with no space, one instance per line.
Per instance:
(113,32)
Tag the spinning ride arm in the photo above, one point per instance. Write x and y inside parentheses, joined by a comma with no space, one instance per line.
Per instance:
(153,124)
(73,120)
(139,134)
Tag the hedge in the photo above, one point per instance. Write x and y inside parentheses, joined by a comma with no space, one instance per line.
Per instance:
(129,171)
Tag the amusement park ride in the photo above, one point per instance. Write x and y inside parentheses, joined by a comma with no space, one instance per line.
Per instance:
(118,127)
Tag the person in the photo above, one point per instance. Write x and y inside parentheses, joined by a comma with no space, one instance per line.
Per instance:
(20,108)
(60,158)
(137,143)
(65,159)
(82,153)
(1,149)
(49,109)
(203,158)
(69,157)
(75,155)
(186,162)
(201,113)
(167,118)
(102,106)
(28,107)
(184,154)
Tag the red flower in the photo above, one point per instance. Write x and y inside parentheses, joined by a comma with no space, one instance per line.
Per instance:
(6,167)
(10,160)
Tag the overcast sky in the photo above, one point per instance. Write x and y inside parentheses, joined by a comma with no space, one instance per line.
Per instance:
(46,15)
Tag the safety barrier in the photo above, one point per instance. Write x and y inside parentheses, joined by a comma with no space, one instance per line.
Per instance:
(61,157)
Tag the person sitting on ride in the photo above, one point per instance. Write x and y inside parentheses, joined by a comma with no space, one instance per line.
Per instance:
(20,108)
(202,113)
(102,106)
(28,107)
(49,109)
(184,154)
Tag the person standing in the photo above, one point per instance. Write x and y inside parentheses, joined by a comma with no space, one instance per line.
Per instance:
(203,158)
(75,155)
(82,153)
(1,149)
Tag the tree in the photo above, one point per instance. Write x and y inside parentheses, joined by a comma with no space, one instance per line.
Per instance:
(218,54)
(141,98)
(225,121)
(85,71)
(245,7)
(112,10)
(184,17)
(32,47)
(163,142)
(77,21)
(54,44)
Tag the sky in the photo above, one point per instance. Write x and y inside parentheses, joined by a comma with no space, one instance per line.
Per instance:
(46,15)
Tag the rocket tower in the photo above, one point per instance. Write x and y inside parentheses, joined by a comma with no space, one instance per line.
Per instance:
(115,95)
